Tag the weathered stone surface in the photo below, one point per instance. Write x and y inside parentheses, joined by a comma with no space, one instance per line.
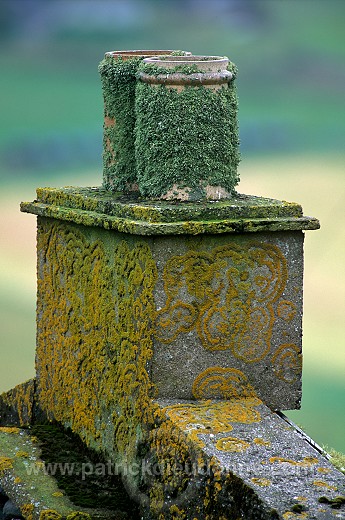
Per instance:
(229,317)
(244,461)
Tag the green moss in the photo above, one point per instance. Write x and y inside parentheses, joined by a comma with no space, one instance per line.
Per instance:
(118,83)
(155,70)
(118,77)
(335,502)
(337,458)
(211,122)
(99,207)
(187,139)
(298,508)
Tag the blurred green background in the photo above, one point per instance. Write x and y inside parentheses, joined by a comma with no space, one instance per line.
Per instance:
(291,60)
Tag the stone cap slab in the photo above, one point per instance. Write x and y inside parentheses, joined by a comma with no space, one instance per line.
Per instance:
(95,206)
(283,473)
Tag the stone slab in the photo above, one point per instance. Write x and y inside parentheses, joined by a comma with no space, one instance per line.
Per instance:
(98,207)
(258,465)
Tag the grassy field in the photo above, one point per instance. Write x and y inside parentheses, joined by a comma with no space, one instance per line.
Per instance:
(314,181)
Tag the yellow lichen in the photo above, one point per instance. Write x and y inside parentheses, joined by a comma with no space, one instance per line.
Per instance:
(306,462)
(176,512)
(261,442)
(221,295)
(232,444)
(323,470)
(27,511)
(321,483)
(20,400)
(50,514)
(286,310)
(78,515)
(261,481)
(5,463)
(9,429)
(22,454)
(287,362)
(225,383)
(289,515)
(213,417)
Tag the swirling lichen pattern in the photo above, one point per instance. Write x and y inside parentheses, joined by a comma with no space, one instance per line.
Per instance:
(224,383)
(287,362)
(226,295)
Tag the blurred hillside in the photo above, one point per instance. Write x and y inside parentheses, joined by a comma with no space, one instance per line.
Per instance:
(290,56)
(291,60)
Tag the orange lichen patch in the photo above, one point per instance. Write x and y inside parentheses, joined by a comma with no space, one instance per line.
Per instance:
(225,383)
(287,362)
(306,462)
(57,494)
(5,463)
(9,429)
(213,417)
(323,470)
(261,481)
(17,480)
(232,444)
(301,499)
(321,483)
